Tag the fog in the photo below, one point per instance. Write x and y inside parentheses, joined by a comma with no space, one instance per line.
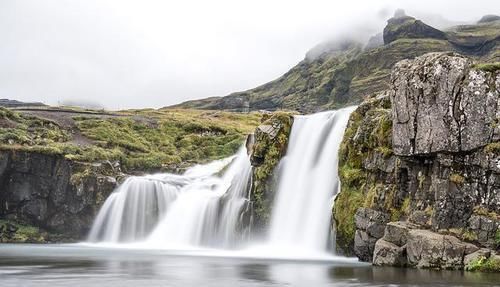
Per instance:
(131,54)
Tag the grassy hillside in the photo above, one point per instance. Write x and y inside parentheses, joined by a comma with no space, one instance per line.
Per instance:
(138,139)
(348,73)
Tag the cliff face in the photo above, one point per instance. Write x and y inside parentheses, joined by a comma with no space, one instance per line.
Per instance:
(55,197)
(429,196)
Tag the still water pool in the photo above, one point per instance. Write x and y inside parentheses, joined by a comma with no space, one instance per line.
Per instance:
(78,265)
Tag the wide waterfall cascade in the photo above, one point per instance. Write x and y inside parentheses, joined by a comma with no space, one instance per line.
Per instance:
(301,213)
(199,207)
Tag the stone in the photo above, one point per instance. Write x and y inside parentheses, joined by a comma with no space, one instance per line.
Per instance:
(420,218)
(371,221)
(483,252)
(402,26)
(388,254)
(397,232)
(370,226)
(431,116)
(41,190)
(426,249)
(364,245)
(485,228)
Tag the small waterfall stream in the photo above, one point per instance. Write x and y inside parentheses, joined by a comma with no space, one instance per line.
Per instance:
(196,208)
(204,206)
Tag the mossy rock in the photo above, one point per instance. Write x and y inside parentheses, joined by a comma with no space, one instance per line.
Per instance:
(368,133)
(270,145)
(13,232)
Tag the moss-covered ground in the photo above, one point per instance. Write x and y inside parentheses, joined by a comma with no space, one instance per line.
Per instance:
(138,139)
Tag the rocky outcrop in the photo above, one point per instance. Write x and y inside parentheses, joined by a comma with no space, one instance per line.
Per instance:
(438,175)
(440,104)
(488,18)
(56,196)
(267,146)
(402,26)
(370,225)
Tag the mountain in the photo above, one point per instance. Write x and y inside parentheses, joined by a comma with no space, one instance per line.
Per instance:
(348,71)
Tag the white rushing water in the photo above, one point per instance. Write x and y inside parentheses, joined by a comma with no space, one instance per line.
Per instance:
(197,208)
(301,214)
(205,207)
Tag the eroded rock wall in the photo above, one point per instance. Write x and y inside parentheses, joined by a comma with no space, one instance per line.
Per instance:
(438,173)
(49,193)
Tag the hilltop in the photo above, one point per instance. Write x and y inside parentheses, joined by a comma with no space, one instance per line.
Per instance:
(348,71)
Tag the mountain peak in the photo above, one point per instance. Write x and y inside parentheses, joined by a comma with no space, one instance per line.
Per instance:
(403,26)
(488,18)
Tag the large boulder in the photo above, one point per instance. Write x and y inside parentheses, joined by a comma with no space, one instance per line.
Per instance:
(388,254)
(370,225)
(427,249)
(440,103)
(397,232)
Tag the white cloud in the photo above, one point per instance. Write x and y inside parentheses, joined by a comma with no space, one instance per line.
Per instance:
(154,53)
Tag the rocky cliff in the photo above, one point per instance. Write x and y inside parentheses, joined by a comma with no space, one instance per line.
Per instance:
(343,72)
(49,198)
(420,168)
(58,165)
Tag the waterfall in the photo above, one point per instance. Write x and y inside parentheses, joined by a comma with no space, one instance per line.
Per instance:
(199,207)
(206,206)
(309,180)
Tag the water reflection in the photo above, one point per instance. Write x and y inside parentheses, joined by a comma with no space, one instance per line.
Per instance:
(25,265)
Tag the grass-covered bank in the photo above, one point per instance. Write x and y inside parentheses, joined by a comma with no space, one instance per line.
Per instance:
(139,139)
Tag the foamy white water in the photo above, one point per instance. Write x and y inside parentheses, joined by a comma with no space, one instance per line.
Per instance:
(301,214)
(197,208)
(203,209)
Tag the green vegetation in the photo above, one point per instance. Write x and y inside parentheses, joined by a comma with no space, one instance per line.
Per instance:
(368,133)
(14,232)
(16,128)
(139,139)
(484,264)
(266,154)
(483,211)
(457,178)
(488,67)
(493,147)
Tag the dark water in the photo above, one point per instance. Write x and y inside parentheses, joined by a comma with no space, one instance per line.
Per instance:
(70,265)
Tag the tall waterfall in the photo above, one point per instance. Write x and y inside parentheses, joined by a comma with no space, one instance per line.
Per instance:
(205,205)
(302,207)
(197,208)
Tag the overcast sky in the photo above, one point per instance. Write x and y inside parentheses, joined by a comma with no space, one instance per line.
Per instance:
(125,54)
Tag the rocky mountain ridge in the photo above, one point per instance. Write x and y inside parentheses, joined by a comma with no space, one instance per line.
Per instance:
(348,72)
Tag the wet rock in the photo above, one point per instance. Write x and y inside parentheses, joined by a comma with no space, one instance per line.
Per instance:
(388,254)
